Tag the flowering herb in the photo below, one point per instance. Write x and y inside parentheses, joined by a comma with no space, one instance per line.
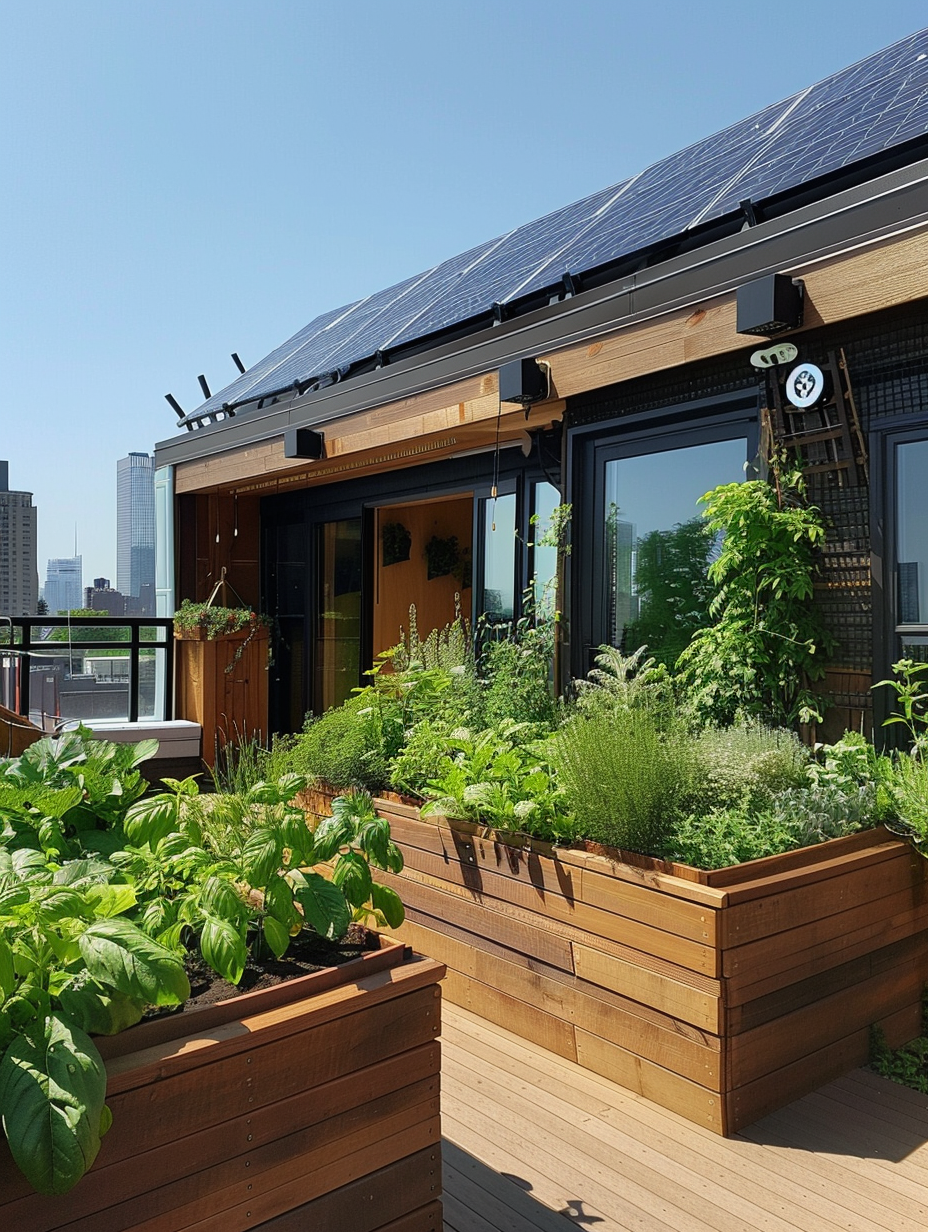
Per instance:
(215,621)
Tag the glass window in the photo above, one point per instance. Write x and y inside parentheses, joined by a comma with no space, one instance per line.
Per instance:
(499,557)
(912,533)
(338,613)
(657,551)
(545,499)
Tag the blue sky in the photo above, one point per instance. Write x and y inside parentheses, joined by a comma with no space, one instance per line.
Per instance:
(180,180)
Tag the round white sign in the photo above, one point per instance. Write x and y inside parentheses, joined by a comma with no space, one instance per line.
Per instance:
(805,385)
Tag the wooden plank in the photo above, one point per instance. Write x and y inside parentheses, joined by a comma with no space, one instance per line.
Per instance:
(551,1033)
(442,836)
(829,865)
(497,1200)
(502,895)
(826,1187)
(774,1090)
(793,996)
(425,1219)
(362,1204)
(693,1005)
(779,1042)
(322,1113)
(317,1173)
(771,962)
(866,876)
(140,1068)
(235,1085)
(626,1147)
(648,917)
(527,935)
(689,1099)
(627,1125)
(664,1040)
(270,1169)
(740,875)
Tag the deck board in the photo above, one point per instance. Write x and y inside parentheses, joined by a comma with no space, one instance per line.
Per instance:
(535,1143)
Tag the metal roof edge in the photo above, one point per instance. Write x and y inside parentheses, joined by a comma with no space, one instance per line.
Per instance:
(865,213)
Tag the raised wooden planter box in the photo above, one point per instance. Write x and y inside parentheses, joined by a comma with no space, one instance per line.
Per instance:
(310,1104)
(720,995)
(222,692)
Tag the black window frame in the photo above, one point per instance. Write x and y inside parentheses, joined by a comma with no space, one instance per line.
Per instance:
(589,448)
(884,572)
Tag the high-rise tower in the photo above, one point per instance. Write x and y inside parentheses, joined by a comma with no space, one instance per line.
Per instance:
(135,530)
(19,576)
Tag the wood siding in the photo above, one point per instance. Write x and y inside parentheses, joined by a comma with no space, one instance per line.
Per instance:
(721,996)
(324,1110)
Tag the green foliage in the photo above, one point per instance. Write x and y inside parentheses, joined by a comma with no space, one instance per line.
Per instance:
(215,621)
(766,643)
(746,765)
(907,1065)
(672,579)
(624,779)
(345,746)
(516,671)
(501,777)
(627,682)
(63,794)
(88,943)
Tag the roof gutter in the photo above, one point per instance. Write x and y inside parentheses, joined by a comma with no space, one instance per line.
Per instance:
(889,205)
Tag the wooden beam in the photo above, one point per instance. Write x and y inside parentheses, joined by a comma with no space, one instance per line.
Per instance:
(440,422)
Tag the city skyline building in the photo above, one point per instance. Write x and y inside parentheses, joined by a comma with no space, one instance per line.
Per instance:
(19,574)
(135,531)
(64,584)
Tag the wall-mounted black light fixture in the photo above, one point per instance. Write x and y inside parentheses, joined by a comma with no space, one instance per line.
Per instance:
(524,381)
(769,305)
(304,443)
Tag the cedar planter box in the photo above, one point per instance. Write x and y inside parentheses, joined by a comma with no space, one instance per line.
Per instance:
(223,693)
(720,995)
(310,1104)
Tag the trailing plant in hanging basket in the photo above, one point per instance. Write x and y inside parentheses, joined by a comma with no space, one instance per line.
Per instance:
(396,541)
(202,620)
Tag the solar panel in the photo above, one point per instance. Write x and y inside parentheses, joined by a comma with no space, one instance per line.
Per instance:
(872,106)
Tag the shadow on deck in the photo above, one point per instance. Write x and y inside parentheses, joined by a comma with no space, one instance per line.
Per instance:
(534,1143)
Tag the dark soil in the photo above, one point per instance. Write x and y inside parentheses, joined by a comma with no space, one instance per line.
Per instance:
(309,952)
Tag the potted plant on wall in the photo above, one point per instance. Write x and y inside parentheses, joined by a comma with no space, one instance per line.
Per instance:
(86,943)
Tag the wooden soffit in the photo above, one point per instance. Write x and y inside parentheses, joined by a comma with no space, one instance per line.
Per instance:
(454,419)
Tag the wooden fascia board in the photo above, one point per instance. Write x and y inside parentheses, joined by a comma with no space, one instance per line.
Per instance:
(441,421)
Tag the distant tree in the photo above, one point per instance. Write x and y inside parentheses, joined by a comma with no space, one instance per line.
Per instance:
(41,608)
(674,589)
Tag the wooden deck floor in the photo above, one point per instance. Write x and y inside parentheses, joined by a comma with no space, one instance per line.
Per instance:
(534,1143)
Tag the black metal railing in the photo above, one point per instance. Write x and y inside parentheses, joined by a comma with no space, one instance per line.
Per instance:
(29,644)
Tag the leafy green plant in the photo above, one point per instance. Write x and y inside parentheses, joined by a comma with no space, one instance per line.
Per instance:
(65,794)
(624,779)
(766,643)
(672,580)
(215,621)
(235,870)
(503,778)
(70,963)
(907,1065)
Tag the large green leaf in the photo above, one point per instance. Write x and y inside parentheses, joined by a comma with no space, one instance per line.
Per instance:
(220,898)
(331,834)
(388,903)
(120,954)
(52,1092)
(110,900)
(149,820)
(7,974)
(98,1011)
(324,905)
(262,855)
(276,935)
(352,875)
(223,947)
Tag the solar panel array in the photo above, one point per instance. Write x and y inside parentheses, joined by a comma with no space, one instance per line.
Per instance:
(876,104)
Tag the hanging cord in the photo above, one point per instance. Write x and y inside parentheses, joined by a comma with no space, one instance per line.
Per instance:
(494,490)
